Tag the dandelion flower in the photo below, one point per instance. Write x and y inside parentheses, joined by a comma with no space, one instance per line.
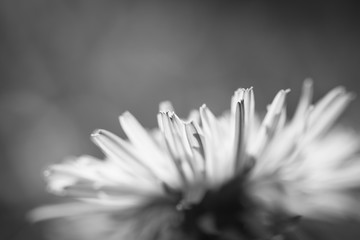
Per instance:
(206,177)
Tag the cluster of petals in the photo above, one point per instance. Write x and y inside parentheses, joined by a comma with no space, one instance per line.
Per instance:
(302,166)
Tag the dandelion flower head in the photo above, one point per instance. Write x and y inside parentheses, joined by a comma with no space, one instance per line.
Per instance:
(235,176)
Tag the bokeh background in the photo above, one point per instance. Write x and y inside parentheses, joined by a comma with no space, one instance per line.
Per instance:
(69,67)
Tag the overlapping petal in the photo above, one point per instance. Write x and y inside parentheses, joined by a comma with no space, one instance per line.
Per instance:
(298,167)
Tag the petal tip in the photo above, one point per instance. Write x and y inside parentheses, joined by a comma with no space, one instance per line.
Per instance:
(96,133)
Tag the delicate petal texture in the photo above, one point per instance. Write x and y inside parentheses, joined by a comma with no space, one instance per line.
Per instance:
(314,167)
(208,177)
(218,148)
(145,146)
(269,125)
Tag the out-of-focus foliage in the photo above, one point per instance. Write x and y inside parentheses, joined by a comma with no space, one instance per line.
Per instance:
(68,67)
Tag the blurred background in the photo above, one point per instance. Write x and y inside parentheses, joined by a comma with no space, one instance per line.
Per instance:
(69,67)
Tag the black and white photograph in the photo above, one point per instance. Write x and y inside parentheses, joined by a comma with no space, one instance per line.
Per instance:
(179,120)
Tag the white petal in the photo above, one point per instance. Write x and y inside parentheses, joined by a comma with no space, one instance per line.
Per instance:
(73,209)
(197,148)
(304,102)
(166,106)
(218,149)
(174,132)
(239,138)
(269,124)
(324,115)
(242,105)
(122,154)
(161,164)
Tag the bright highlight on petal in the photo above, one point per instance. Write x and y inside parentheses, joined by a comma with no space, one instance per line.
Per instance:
(219,177)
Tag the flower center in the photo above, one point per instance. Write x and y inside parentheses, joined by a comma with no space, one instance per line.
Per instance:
(229,213)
